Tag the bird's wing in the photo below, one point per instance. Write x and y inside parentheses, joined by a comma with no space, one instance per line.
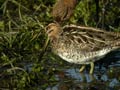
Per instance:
(91,39)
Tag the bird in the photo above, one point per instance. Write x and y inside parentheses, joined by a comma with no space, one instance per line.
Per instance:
(63,10)
(80,44)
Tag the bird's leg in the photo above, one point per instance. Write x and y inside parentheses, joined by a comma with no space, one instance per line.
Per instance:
(91,67)
(82,68)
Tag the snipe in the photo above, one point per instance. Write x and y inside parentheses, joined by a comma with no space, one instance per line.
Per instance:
(63,9)
(81,45)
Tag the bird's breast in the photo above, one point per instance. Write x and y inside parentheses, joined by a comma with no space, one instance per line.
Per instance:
(73,54)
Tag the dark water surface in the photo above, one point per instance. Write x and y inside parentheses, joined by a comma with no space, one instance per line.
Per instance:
(104,79)
(106,76)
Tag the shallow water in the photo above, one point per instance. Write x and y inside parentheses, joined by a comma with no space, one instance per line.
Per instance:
(71,79)
(106,76)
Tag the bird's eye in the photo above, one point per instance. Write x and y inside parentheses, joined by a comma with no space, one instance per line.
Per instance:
(49,31)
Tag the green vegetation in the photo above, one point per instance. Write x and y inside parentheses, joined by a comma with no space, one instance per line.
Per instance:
(24,63)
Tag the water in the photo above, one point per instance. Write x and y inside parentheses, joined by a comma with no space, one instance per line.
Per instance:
(106,76)
(73,80)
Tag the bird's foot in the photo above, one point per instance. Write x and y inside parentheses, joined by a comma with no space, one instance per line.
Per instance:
(91,67)
(82,68)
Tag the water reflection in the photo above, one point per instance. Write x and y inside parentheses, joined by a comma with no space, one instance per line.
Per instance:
(73,80)
(86,77)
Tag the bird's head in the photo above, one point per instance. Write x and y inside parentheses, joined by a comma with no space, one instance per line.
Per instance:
(53,30)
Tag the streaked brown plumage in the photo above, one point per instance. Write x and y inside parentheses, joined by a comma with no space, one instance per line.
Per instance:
(63,9)
(81,45)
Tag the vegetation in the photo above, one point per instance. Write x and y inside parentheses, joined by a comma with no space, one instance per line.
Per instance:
(25,61)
